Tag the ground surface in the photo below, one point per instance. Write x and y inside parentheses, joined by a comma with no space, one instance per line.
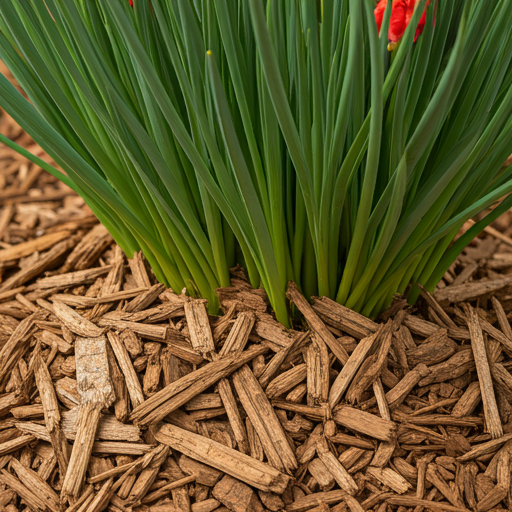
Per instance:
(118,394)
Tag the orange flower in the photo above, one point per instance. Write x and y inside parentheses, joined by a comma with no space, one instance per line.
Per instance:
(401,14)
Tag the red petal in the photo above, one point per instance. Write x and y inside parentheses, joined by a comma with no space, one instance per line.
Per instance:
(397,23)
(379,13)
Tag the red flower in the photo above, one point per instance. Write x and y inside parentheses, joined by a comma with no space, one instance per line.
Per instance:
(401,14)
(131,3)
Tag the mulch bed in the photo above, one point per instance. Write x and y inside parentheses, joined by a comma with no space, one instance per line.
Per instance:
(117,394)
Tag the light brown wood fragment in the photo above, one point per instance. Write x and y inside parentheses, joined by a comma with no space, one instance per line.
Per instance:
(434,477)
(470,291)
(139,270)
(397,395)
(131,467)
(334,466)
(318,366)
(343,318)
(15,444)
(164,490)
(125,365)
(272,332)
(484,448)
(390,478)
(497,335)
(148,475)
(386,448)
(350,369)
(239,334)
(237,496)
(202,506)
(143,300)
(45,261)
(203,474)
(468,401)
(492,498)
(33,500)
(321,474)
(365,423)
(36,244)
(111,284)
(491,413)
(235,419)
(238,465)
(16,346)
(149,331)
(255,446)
(5,218)
(70,279)
(312,500)
(432,302)
(199,328)
(181,391)
(502,317)
(109,428)
(102,497)
(286,381)
(349,440)
(76,323)
(204,401)
(235,344)
(264,419)
(459,364)
(433,350)
(315,323)
(411,501)
(51,339)
(153,368)
(96,391)
(121,404)
(36,484)
(274,365)
(52,414)
(89,249)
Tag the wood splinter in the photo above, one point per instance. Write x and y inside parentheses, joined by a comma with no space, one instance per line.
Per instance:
(96,392)
(491,413)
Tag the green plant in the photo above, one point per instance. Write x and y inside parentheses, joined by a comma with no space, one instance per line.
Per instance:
(278,134)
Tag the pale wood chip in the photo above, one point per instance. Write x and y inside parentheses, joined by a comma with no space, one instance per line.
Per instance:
(126,367)
(76,323)
(199,328)
(334,466)
(181,391)
(315,323)
(491,413)
(238,465)
(43,262)
(96,391)
(70,279)
(470,291)
(264,419)
(52,414)
(37,244)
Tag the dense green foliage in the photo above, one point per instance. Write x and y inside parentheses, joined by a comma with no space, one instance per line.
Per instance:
(278,134)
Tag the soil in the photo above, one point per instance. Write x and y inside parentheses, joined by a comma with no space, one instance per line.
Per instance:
(118,394)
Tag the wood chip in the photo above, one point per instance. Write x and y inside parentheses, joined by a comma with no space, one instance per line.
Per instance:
(238,465)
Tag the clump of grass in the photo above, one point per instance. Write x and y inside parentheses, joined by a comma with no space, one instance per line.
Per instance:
(281,135)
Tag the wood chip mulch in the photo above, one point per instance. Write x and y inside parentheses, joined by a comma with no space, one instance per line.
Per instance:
(117,394)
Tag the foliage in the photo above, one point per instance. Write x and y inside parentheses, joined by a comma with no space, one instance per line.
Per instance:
(278,134)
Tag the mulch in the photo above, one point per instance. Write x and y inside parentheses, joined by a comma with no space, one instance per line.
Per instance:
(119,394)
